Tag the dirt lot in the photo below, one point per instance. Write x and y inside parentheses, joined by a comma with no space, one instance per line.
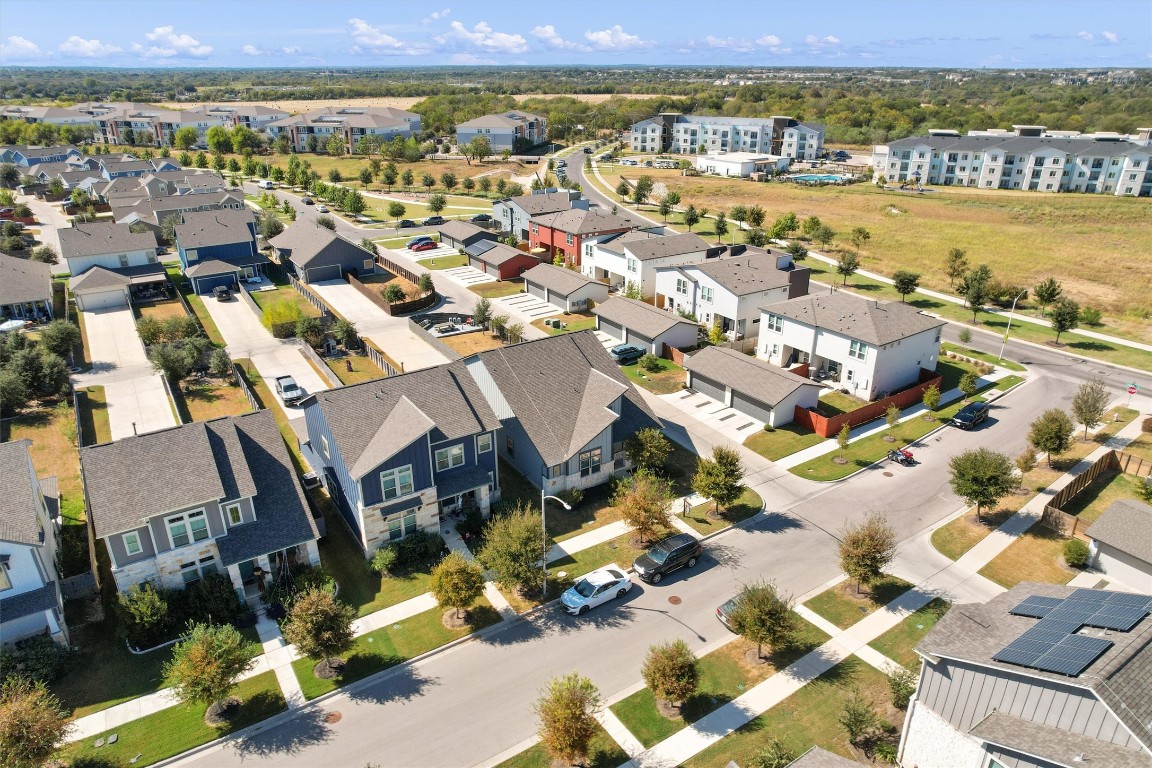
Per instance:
(467,343)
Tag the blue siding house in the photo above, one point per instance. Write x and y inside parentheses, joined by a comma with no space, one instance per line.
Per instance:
(219,248)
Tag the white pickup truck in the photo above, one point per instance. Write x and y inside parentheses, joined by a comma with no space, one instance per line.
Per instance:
(289,391)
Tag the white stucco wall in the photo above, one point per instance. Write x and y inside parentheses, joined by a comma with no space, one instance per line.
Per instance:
(898,365)
(930,742)
(1122,567)
(82,264)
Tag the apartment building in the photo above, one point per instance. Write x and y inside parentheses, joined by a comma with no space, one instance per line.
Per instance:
(349,123)
(512,130)
(1027,158)
(254,116)
(672,132)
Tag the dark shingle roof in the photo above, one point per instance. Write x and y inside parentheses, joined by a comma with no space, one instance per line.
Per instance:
(657,246)
(1127,526)
(578,221)
(460,230)
(639,316)
(28,603)
(751,272)
(494,253)
(211,267)
(1056,745)
(875,322)
(100,238)
(223,227)
(97,279)
(742,373)
(308,244)
(545,202)
(20,500)
(24,280)
(559,279)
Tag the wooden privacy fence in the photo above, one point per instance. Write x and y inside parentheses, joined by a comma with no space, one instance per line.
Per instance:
(308,294)
(826,426)
(1055,517)
(248,393)
(1134,465)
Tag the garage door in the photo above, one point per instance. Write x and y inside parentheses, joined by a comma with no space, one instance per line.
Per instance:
(206,284)
(612,329)
(493,269)
(475,263)
(750,406)
(104,299)
(640,341)
(536,290)
(706,386)
(316,274)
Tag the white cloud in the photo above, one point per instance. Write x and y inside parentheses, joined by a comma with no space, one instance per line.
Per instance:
(89,49)
(251,50)
(1086,36)
(291,50)
(367,36)
(470,58)
(728,43)
(768,41)
(169,44)
(436,16)
(615,39)
(822,42)
(548,34)
(484,37)
(1111,37)
(18,47)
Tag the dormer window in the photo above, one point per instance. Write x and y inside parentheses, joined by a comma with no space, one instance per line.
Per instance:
(234,513)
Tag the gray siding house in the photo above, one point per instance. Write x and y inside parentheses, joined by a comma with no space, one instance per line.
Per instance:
(317,253)
(512,213)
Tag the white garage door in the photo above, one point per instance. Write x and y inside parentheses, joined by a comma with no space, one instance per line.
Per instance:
(612,329)
(708,387)
(102,300)
(536,290)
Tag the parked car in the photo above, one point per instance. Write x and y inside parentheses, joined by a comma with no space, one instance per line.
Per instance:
(307,201)
(221,293)
(405,224)
(6,213)
(417,240)
(427,245)
(624,354)
(289,391)
(970,415)
(434,221)
(587,150)
(322,208)
(481,218)
(724,612)
(666,555)
(595,588)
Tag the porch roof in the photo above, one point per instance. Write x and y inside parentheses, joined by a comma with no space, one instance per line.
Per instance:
(461,481)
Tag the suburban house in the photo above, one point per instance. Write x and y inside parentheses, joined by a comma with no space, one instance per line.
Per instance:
(398,452)
(317,253)
(1121,544)
(716,134)
(513,213)
(132,207)
(730,290)
(869,347)
(566,290)
(100,288)
(30,602)
(513,130)
(124,264)
(219,248)
(25,289)
(112,170)
(25,156)
(461,234)
(500,260)
(1041,676)
(741,165)
(639,323)
(749,386)
(565,407)
(229,504)
(348,123)
(634,257)
(563,234)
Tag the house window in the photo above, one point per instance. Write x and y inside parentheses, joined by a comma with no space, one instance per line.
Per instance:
(197,569)
(775,323)
(368,265)
(682,286)
(402,525)
(589,462)
(235,514)
(535,229)
(484,443)
(858,350)
(132,543)
(397,482)
(151,257)
(510,447)
(5,582)
(706,295)
(568,238)
(632,265)
(123,259)
(447,458)
(324,447)
(187,528)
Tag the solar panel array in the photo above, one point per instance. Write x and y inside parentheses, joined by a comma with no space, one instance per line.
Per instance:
(1052,644)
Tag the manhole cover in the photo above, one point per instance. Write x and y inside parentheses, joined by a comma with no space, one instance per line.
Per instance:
(674,600)
(887,474)
(332,717)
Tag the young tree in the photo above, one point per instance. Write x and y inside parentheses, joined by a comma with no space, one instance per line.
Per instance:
(354,202)
(396,210)
(648,449)
(365,176)
(498,323)
(425,283)
(388,176)
(1052,433)
(756,216)
(721,227)
(720,478)
(716,333)
(406,178)
(670,672)
(956,266)
(437,203)
(514,547)
(902,684)
(1065,316)
(981,477)
(168,227)
(327,222)
(847,266)
(457,582)
(482,312)
(320,626)
(891,416)
(858,237)
(867,548)
(393,293)
(623,189)
(976,288)
(758,238)
(206,665)
(691,217)
(448,181)
(842,438)
(566,709)
(969,383)
(219,363)
(796,250)
(1026,461)
(644,500)
(477,149)
(311,330)
(739,215)
(514,333)
(858,718)
(1047,292)
(905,282)
(33,724)
(931,398)
(184,139)
(60,337)
(763,615)
(1089,404)
(824,235)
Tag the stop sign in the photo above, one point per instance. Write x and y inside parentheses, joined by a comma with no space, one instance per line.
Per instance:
(1132,389)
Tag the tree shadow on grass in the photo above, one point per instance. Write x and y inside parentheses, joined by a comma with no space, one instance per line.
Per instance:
(1092,346)
(305,730)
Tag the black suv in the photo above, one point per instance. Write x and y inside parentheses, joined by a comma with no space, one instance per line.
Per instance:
(970,415)
(433,221)
(666,555)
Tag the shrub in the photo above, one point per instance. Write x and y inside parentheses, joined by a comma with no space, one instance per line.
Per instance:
(471,526)
(304,578)
(1146,425)
(420,547)
(572,496)
(38,659)
(885,752)
(213,598)
(650,363)
(385,559)
(902,683)
(1076,553)
(1090,316)
(965,336)
(143,614)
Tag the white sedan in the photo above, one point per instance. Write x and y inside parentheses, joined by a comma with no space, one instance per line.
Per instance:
(594,588)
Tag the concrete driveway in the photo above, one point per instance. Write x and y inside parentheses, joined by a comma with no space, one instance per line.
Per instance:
(727,421)
(467,276)
(529,306)
(288,360)
(137,402)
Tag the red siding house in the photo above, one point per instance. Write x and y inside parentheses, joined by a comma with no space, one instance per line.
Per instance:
(563,233)
(501,261)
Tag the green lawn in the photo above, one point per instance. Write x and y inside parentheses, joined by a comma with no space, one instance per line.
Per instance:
(603,752)
(782,441)
(577,321)
(445,262)
(960,349)
(953,371)
(498,289)
(898,643)
(724,675)
(1037,555)
(957,537)
(842,606)
(835,403)
(285,293)
(363,369)
(700,516)
(178,729)
(196,303)
(393,645)
(1091,502)
(670,378)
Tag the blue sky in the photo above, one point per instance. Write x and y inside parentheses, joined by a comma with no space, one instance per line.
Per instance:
(843,33)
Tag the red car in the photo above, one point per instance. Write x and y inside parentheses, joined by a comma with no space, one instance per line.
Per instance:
(428,246)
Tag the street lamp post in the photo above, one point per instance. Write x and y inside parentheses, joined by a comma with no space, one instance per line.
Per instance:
(544,531)
(1009,326)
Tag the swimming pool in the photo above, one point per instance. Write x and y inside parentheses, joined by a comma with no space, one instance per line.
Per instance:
(827,177)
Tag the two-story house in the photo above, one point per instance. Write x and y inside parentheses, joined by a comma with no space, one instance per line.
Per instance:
(563,234)
(512,214)
(512,130)
(316,253)
(26,157)
(633,258)
(25,289)
(218,248)
(30,602)
(871,348)
(397,453)
(216,496)
(729,291)
(110,265)
(1041,676)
